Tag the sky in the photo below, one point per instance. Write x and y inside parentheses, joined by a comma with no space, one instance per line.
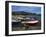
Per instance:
(30,9)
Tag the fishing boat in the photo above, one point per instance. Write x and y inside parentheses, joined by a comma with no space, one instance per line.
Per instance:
(31,21)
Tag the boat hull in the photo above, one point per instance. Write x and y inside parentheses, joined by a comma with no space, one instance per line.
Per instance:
(30,23)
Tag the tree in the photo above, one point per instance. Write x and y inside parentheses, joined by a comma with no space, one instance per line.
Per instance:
(13,13)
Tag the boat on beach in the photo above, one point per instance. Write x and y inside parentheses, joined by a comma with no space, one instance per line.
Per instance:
(31,21)
(27,20)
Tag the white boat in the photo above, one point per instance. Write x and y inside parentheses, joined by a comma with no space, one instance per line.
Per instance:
(31,22)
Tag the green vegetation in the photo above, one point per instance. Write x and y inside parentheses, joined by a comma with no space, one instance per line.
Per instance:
(24,13)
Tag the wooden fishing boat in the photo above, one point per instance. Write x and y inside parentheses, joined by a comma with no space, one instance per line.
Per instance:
(31,22)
